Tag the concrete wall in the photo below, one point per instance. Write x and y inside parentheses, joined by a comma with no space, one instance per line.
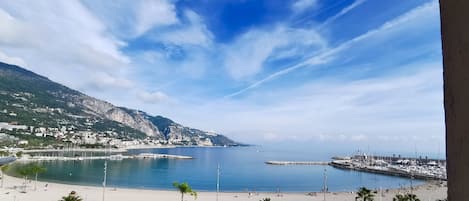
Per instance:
(455,37)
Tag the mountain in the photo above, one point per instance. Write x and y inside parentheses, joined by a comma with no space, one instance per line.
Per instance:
(29,99)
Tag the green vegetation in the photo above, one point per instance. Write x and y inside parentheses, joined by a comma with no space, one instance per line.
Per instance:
(184,188)
(30,169)
(38,102)
(365,194)
(24,172)
(35,141)
(36,169)
(405,197)
(4,153)
(71,197)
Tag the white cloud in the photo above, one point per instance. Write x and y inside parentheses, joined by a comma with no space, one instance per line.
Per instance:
(417,17)
(154,13)
(105,81)
(64,41)
(193,33)
(153,97)
(246,56)
(301,5)
(12,60)
(342,12)
(336,110)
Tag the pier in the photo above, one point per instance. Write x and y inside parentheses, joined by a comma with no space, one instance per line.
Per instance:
(110,157)
(297,162)
(74,150)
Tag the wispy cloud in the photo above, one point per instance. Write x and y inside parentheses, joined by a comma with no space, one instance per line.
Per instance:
(342,12)
(328,54)
(152,97)
(360,110)
(193,33)
(302,5)
(247,55)
(150,14)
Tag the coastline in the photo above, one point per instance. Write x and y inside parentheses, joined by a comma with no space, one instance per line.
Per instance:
(430,190)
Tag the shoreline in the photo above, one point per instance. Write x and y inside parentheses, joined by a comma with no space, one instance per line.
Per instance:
(120,149)
(54,191)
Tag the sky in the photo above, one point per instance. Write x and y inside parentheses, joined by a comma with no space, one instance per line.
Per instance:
(349,73)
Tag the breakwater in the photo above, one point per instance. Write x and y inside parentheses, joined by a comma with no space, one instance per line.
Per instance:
(110,157)
(392,171)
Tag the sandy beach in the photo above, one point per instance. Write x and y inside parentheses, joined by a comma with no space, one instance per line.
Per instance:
(429,191)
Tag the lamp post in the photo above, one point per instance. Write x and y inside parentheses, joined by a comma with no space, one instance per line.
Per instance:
(104,180)
(218,180)
(325,184)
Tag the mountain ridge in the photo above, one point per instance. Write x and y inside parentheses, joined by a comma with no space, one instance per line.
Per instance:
(30,96)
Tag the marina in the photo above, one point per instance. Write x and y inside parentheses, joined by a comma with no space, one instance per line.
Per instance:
(414,168)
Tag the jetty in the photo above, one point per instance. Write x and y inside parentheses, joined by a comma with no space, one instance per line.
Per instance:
(297,162)
(109,157)
(74,150)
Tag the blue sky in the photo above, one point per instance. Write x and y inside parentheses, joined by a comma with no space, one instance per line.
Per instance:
(350,72)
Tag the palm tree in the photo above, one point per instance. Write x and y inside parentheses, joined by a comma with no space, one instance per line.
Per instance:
(3,169)
(364,194)
(412,197)
(406,197)
(24,171)
(71,197)
(37,169)
(184,188)
(399,197)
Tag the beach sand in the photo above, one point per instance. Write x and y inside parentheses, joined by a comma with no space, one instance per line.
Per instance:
(429,191)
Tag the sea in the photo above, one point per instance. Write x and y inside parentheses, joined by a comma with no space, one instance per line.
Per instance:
(241,169)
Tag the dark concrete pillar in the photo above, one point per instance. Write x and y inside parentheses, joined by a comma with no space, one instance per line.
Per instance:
(455,37)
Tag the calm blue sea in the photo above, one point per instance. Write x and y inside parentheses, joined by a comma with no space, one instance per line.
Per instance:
(242,168)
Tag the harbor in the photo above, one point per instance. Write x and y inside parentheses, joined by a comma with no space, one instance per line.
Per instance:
(408,167)
(414,168)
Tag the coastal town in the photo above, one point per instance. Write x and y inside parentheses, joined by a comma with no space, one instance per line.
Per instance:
(12,135)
